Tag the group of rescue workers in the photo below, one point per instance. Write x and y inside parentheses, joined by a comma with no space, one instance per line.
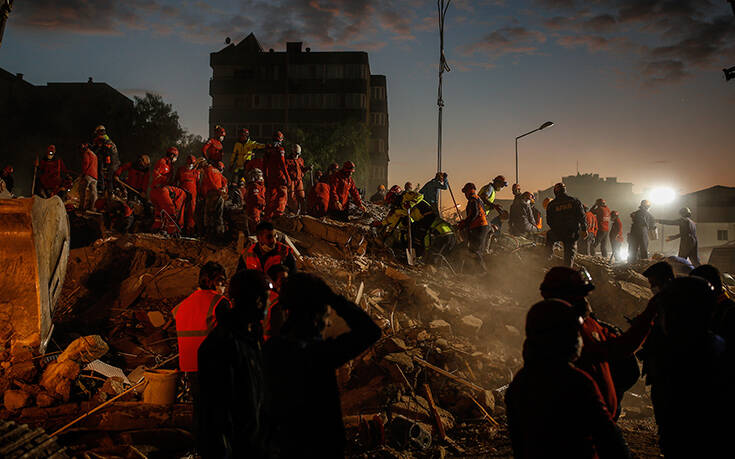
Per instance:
(263,379)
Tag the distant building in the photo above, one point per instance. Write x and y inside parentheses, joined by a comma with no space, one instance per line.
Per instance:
(266,91)
(63,114)
(589,187)
(713,210)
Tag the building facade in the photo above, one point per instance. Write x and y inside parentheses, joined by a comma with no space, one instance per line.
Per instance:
(266,91)
(64,114)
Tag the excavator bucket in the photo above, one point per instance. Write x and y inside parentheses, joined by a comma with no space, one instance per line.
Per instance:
(34,248)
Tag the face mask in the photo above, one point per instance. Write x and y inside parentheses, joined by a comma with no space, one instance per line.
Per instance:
(173,159)
(190,166)
(221,289)
(267,248)
(221,138)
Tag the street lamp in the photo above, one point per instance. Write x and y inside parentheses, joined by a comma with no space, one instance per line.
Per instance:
(543,126)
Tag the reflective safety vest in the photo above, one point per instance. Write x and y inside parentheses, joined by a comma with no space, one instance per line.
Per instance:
(437,229)
(481,217)
(194,320)
(244,152)
(487,194)
(275,257)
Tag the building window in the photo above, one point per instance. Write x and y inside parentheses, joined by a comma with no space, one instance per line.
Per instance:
(256,101)
(378,119)
(722,235)
(335,71)
(245,74)
(378,92)
(381,146)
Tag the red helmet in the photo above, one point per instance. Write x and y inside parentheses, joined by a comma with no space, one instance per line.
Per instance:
(278,136)
(469,186)
(245,132)
(7,170)
(51,148)
(348,166)
(600,202)
(172,151)
(191,159)
(559,188)
(333,167)
(219,131)
(527,195)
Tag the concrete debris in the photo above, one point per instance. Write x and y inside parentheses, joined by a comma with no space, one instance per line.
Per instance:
(455,336)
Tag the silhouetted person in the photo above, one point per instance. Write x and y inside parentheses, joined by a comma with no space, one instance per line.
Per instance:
(689,356)
(554,409)
(607,356)
(566,219)
(301,367)
(642,222)
(233,392)
(688,246)
(723,319)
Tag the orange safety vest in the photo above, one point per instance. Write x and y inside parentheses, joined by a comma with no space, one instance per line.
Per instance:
(591,223)
(194,320)
(276,257)
(481,218)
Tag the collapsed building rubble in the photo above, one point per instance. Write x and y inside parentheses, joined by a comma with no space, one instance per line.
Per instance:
(434,382)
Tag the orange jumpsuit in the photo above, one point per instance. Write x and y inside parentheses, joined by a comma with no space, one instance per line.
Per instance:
(277,181)
(187,180)
(254,203)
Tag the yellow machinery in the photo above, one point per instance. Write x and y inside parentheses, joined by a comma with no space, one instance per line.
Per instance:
(34,249)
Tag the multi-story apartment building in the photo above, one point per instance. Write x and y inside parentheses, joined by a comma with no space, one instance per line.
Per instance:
(266,91)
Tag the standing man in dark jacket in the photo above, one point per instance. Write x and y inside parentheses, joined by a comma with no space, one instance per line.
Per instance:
(603,214)
(476,224)
(431,189)
(301,366)
(616,233)
(643,221)
(233,393)
(566,219)
(555,409)
(687,235)
(522,221)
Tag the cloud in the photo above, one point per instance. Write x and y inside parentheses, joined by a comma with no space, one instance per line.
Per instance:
(670,39)
(324,23)
(506,40)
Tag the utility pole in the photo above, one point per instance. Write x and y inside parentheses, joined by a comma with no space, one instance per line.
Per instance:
(5,7)
(442,8)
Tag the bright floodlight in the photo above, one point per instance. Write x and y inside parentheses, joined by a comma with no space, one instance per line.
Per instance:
(662,195)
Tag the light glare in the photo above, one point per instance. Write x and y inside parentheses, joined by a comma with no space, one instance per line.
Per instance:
(662,195)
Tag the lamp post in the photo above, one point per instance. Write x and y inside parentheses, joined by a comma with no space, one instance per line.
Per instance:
(543,126)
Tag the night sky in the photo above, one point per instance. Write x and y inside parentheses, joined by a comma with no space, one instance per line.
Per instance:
(635,87)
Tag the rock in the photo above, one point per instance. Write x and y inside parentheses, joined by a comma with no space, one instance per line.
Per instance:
(390,345)
(423,335)
(156,318)
(16,399)
(469,325)
(58,376)
(396,275)
(402,359)
(512,330)
(84,349)
(25,371)
(44,399)
(417,408)
(424,297)
(440,327)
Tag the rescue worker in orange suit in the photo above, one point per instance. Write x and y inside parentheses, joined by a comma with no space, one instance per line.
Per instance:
(90,171)
(267,252)
(108,158)
(602,212)
(187,178)
(566,220)
(254,198)
(277,180)
(233,391)
(52,174)
(136,175)
(394,191)
(296,170)
(195,318)
(319,197)
(588,241)
(168,201)
(212,150)
(342,187)
(554,408)
(476,224)
(601,346)
(213,188)
(616,233)
(117,213)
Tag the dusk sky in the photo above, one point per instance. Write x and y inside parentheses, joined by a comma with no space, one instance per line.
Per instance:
(635,87)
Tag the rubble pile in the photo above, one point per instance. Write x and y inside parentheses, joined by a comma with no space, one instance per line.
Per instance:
(434,382)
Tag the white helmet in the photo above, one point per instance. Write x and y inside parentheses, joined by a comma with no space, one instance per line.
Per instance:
(296,149)
(255,175)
